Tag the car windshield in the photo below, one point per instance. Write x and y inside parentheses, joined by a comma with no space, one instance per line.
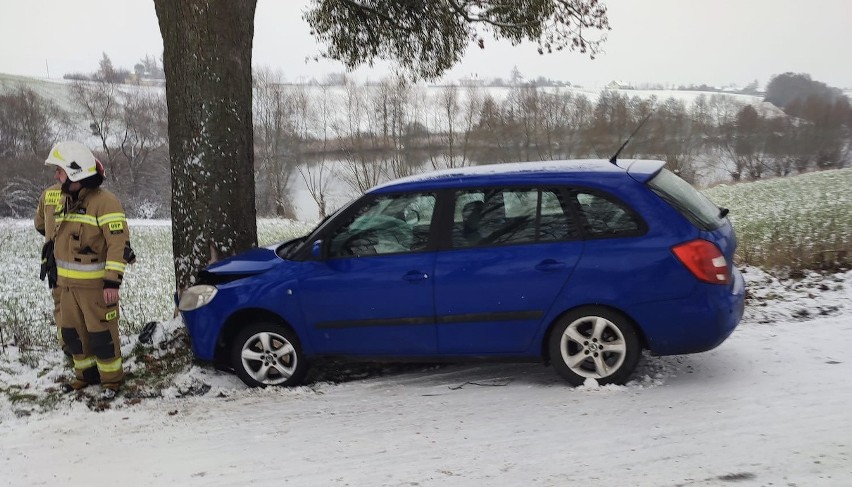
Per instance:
(288,249)
(292,247)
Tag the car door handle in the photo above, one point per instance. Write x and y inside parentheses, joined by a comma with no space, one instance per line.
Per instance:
(549,265)
(413,276)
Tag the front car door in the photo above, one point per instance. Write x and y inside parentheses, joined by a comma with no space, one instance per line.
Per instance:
(371,292)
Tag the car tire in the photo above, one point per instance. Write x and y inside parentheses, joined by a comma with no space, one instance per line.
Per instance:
(268,354)
(594,343)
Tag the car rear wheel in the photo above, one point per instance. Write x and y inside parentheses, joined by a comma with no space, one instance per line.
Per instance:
(594,343)
(268,354)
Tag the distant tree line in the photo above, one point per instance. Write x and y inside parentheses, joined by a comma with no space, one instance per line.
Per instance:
(147,69)
(365,134)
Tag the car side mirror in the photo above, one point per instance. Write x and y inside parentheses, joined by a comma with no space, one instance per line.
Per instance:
(316,249)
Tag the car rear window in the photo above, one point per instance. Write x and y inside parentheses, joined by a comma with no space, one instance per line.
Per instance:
(693,205)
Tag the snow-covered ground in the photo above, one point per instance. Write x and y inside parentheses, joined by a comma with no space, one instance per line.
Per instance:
(772,406)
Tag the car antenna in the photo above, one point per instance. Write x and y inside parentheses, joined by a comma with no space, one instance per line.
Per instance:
(615,156)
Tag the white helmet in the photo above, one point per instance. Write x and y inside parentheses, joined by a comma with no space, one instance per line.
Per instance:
(75,158)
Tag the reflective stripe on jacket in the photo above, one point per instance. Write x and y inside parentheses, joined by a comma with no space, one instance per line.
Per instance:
(48,203)
(91,234)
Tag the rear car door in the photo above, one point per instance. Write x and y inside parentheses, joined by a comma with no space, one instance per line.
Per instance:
(511,252)
(371,293)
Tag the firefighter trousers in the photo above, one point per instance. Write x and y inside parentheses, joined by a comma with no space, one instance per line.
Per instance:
(57,293)
(90,332)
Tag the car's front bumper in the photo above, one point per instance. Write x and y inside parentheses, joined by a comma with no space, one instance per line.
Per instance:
(204,328)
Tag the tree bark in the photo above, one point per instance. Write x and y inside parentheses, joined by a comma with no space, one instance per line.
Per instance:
(207,48)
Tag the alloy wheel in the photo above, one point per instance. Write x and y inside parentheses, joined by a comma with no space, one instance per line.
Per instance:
(593,347)
(269,358)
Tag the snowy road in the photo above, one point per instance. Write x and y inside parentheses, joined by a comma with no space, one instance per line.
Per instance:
(771,406)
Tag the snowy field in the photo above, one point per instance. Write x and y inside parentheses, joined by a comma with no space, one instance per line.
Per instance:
(770,406)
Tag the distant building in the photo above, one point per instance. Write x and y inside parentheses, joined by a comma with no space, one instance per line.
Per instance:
(472,80)
(617,85)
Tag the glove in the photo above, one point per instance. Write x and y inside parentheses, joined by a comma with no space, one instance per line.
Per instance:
(52,276)
(48,264)
(129,254)
(147,333)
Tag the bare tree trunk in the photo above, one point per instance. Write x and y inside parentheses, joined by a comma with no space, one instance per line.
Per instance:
(207,59)
(361,135)
(446,114)
(472,113)
(405,111)
(144,113)
(276,142)
(316,176)
(99,102)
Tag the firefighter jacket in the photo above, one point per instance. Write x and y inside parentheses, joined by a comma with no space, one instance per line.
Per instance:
(92,240)
(45,222)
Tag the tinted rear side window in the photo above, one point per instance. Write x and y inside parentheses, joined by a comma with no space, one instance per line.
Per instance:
(607,217)
(693,205)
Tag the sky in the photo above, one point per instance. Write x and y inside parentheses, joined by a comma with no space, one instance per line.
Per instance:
(668,42)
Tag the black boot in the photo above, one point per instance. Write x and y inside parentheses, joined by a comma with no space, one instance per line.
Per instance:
(109,391)
(74,385)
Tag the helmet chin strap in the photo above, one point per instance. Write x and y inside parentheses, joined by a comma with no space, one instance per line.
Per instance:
(66,188)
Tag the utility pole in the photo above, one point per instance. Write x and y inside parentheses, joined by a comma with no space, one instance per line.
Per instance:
(46,67)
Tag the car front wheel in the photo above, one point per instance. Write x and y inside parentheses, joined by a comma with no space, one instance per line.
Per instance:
(594,343)
(268,354)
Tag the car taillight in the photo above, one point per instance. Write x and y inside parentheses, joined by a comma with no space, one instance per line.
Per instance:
(704,260)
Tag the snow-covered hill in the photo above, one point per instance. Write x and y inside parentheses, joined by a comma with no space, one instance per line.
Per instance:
(56,90)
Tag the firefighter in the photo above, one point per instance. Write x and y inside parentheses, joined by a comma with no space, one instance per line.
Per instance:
(92,250)
(45,224)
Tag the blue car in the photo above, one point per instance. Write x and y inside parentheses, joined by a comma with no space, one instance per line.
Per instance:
(579,264)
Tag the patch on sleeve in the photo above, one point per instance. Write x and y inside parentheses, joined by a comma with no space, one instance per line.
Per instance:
(116,227)
(111,315)
(51,197)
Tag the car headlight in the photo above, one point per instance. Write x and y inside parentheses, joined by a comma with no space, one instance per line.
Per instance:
(196,297)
